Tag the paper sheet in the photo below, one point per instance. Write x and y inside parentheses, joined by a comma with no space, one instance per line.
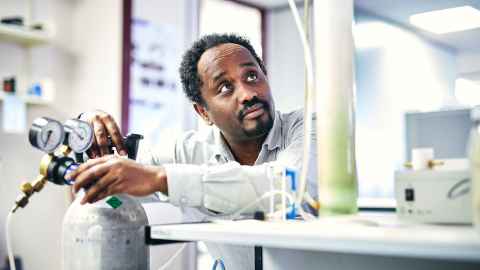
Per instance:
(156,102)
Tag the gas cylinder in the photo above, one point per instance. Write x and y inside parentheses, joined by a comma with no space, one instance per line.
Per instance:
(108,234)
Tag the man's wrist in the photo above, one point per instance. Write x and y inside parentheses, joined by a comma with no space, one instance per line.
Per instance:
(160,180)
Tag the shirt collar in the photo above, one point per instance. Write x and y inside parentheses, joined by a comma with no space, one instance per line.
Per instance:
(221,148)
(272,141)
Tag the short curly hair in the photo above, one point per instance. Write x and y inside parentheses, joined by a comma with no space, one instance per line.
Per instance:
(189,76)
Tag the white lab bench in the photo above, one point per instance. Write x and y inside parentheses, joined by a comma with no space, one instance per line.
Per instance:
(363,241)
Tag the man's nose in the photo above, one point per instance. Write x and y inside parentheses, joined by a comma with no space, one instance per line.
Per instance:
(246,94)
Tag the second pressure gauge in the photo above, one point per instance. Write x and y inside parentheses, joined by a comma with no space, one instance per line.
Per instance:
(79,135)
(46,134)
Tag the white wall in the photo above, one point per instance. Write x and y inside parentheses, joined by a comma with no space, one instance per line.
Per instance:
(97,42)
(36,229)
(84,62)
(284,60)
(468,63)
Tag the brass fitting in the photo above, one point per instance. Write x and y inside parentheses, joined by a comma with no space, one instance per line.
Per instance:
(21,201)
(44,162)
(316,205)
(26,188)
(39,183)
(431,164)
(65,150)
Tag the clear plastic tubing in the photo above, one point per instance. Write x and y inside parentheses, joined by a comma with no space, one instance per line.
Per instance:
(11,259)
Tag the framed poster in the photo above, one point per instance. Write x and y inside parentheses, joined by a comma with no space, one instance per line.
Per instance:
(155,99)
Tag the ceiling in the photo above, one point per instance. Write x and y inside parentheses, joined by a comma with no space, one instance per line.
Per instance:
(399,11)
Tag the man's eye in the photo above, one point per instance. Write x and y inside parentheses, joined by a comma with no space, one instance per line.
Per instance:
(226,87)
(252,76)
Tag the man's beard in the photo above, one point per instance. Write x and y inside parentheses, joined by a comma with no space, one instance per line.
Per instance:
(262,127)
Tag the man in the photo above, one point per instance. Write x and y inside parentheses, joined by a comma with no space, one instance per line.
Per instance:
(219,170)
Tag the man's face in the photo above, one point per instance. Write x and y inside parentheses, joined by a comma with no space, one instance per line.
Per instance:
(236,92)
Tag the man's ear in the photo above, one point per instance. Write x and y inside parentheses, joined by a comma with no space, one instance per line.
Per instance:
(202,112)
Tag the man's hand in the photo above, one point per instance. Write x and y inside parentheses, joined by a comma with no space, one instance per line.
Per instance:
(103,126)
(111,175)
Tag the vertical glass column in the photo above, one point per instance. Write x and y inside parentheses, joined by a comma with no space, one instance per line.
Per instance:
(334,50)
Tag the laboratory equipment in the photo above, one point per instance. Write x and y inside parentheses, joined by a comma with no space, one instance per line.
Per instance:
(285,180)
(337,176)
(46,134)
(307,115)
(474,150)
(434,195)
(428,130)
(109,234)
(79,135)
(423,158)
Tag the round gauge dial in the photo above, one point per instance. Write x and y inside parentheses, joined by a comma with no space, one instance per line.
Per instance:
(79,135)
(46,134)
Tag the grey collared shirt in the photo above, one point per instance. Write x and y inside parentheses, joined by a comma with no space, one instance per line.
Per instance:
(205,175)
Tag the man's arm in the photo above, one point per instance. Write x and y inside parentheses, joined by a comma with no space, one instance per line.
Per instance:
(229,186)
(222,188)
(111,175)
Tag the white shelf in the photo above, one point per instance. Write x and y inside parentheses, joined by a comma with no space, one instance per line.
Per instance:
(36,100)
(31,100)
(22,35)
(374,234)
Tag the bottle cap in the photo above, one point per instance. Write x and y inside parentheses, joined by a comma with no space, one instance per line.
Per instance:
(475,113)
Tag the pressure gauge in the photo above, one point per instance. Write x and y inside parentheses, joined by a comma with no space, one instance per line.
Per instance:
(46,134)
(79,135)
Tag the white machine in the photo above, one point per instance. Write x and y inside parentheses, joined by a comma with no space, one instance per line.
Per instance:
(434,195)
